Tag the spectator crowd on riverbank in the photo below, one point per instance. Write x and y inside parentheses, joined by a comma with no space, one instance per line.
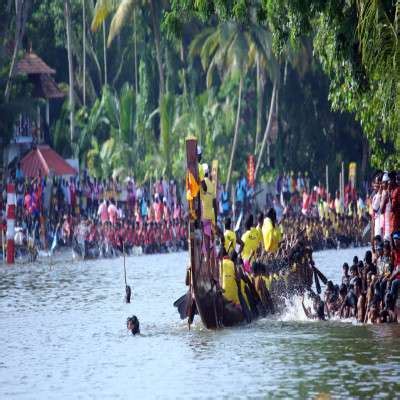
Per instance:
(369,290)
(121,213)
(111,211)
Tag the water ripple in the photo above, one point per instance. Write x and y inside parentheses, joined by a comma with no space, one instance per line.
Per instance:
(62,335)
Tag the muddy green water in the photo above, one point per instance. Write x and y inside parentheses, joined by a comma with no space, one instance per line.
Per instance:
(63,336)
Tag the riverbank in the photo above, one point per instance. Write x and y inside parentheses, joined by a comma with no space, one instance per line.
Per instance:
(65,329)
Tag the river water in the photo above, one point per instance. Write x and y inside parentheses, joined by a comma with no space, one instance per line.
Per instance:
(63,336)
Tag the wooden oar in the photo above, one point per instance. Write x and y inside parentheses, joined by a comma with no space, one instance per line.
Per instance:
(245,309)
(321,276)
(238,222)
(366,230)
(317,284)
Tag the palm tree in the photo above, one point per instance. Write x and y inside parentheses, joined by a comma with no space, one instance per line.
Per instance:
(123,9)
(224,47)
(231,48)
(267,128)
(115,114)
(260,98)
(21,16)
(167,114)
(84,50)
(378,33)
(67,15)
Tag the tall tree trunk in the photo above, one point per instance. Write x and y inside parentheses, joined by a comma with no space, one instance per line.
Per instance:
(84,50)
(157,42)
(260,99)
(135,51)
(364,160)
(67,14)
(166,118)
(92,53)
(267,129)
(235,136)
(105,52)
(182,56)
(4,30)
(21,15)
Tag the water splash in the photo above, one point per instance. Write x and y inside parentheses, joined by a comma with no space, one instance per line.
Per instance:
(293,310)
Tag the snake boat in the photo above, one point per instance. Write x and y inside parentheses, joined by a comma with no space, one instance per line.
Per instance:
(274,278)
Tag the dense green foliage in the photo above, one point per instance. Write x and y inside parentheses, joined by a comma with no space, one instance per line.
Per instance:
(157,71)
(356,43)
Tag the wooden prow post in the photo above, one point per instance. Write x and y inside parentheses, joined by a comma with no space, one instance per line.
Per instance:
(193,218)
(202,287)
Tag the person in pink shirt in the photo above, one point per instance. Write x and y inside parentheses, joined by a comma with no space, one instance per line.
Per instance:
(166,212)
(157,209)
(103,212)
(28,202)
(113,212)
(177,211)
(306,203)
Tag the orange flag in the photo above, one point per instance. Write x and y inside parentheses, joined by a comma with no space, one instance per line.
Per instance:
(192,187)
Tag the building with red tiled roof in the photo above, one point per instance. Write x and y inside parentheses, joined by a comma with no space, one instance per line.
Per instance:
(42,161)
(31,64)
(30,130)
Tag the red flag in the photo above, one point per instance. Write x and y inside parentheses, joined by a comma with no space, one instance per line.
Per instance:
(250,169)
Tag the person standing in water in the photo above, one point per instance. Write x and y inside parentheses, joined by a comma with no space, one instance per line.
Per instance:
(132,324)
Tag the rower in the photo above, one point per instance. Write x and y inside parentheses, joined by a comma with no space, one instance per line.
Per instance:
(229,236)
(270,232)
(200,166)
(228,280)
(349,304)
(318,311)
(346,277)
(233,286)
(209,209)
(251,241)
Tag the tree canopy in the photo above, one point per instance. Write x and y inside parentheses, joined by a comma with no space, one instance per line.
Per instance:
(299,84)
(355,42)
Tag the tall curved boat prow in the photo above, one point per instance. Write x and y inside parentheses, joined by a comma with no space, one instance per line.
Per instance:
(203,275)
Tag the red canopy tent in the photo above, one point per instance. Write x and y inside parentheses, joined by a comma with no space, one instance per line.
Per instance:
(43,159)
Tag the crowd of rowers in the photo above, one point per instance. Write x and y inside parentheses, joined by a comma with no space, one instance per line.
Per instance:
(369,290)
(91,239)
(338,231)
(266,270)
(259,269)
